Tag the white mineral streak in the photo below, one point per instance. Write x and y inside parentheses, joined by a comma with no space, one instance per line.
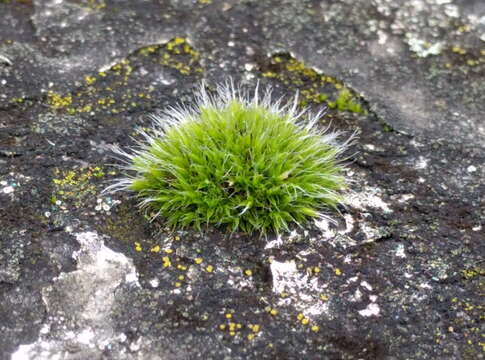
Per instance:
(422,163)
(400,251)
(276,243)
(371,310)
(5,60)
(405,198)
(366,285)
(81,303)
(471,169)
(424,49)
(301,288)
(8,190)
(368,198)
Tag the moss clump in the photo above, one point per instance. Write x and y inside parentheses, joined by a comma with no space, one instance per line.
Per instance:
(244,164)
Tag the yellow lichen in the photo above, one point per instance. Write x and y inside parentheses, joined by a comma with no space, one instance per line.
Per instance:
(166,261)
(155,249)
(75,185)
(473,272)
(96,4)
(57,101)
(90,80)
(458,50)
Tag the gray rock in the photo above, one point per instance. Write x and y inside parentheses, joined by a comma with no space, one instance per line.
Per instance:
(403,265)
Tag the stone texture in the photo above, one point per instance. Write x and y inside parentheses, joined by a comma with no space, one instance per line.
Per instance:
(83,275)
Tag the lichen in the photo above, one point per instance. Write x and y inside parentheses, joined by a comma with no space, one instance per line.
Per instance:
(58,101)
(99,93)
(472,273)
(73,186)
(186,63)
(94,4)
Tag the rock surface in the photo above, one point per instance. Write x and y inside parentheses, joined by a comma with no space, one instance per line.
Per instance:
(83,275)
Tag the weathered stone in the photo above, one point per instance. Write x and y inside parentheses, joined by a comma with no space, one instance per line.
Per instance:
(84,275)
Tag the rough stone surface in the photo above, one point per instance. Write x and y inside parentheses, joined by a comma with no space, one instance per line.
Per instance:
(83,275)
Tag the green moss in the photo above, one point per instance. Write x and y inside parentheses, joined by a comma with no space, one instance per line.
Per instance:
(18,100)
(239,165)
(314,88)
(345,102)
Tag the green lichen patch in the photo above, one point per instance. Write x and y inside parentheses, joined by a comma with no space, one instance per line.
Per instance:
(469,325)
(177,54)
(128,226)
(57,101)
(123,88)
(472,273)
(314,88)
(465,59)
(73,187)
(95,4)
